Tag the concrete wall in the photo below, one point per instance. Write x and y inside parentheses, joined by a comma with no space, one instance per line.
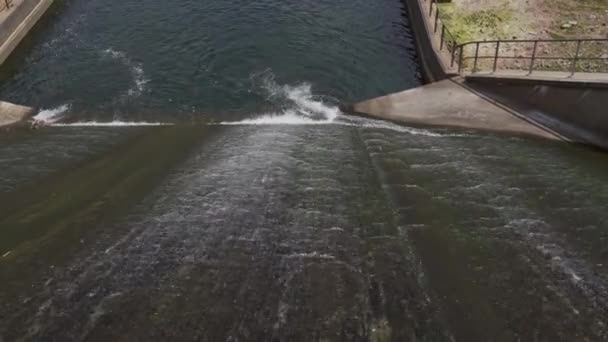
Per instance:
(578,112)
(11,114)
(432,70)
(18,13)
(23,17)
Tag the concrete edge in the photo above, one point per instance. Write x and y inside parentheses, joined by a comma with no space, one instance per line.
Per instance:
(513,112)
(417,124)
(23,29)
(432,68)
(531,80)
(13,115)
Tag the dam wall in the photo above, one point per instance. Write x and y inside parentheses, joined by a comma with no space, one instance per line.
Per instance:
(578,110)
(17,23)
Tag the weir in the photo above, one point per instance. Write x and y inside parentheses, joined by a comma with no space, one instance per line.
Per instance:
(196,180)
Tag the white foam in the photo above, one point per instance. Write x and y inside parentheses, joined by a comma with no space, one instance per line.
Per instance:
(50,116)
(289,117)
(110,124)
(306,102)
(136,70)
(301,107)
(378,124)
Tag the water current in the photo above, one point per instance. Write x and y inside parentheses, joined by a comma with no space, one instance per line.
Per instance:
(194,179)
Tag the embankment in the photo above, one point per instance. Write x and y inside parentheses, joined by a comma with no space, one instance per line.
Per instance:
(568,109)
(20,20)
(14,27)
(577,110)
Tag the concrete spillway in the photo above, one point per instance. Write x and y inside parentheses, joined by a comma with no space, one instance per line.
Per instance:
(449,103)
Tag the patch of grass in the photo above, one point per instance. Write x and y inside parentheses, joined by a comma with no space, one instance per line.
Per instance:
(477,25)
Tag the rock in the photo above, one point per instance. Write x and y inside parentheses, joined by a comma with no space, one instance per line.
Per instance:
(566,26)
(604,56)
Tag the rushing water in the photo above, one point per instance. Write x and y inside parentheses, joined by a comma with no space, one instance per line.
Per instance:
(226,198)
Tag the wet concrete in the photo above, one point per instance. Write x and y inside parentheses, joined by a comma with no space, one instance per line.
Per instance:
(449,103)
(11,114)
(372,233)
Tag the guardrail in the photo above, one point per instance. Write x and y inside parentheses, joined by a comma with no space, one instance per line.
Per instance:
(575,55)
(446,38)
(588,55)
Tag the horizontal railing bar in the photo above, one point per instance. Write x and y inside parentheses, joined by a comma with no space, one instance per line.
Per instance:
(457,50)
(536,40)
(512,57)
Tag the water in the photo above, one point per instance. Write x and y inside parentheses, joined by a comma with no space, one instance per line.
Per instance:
(196,180)
(193,60)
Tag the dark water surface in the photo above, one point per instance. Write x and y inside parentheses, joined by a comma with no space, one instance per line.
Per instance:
(297,223)
(157,60)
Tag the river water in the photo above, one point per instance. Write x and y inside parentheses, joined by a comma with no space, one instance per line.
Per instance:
(196,181)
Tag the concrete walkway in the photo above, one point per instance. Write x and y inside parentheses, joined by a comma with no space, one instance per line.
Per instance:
(449,103)
(16,23)
(580,79)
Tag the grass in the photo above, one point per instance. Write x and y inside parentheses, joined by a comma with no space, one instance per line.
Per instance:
(468,25)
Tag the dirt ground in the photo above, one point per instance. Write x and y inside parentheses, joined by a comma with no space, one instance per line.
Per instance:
(475,20)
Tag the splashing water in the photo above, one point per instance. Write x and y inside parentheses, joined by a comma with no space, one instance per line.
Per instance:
(50,116)
(297,104)
(136,69)
(115,123)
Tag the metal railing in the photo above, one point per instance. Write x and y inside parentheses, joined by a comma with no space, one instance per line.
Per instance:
(446,38)
(575,55)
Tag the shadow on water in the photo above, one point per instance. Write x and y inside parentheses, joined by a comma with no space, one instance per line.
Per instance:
(48,220)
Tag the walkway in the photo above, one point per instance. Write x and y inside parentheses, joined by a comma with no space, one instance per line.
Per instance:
(579,78)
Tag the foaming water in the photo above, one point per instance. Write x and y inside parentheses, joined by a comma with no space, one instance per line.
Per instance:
(53,117)
(296,105)
(289,117)
(50,116)
(110,124)
(379,124)
(135,68)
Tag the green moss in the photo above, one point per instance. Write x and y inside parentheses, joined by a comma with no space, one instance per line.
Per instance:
(477,25)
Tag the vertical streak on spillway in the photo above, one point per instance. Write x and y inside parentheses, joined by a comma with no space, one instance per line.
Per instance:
(451,196)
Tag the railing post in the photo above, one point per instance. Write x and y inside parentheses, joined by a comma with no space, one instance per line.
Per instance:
(460,58)
(442,36)
(575,60)
(476,55)
(496,56)
(436,18)
(453,54)
(533,57)
(431,8)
